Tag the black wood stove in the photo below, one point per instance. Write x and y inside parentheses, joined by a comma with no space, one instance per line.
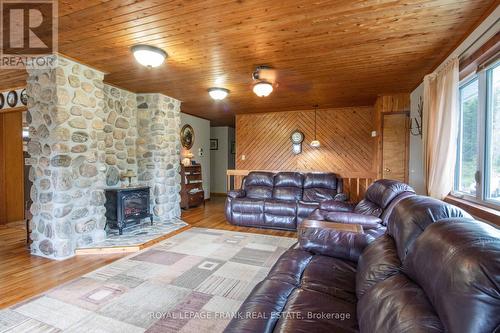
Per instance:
(125,205)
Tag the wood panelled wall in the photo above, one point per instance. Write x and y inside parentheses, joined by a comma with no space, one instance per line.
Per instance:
(11,167)
(347,147)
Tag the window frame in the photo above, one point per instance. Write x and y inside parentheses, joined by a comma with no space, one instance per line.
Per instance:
(484,134)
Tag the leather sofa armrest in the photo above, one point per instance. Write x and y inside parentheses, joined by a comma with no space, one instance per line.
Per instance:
(366,221)
(336,206)
(332,239)
(236,194)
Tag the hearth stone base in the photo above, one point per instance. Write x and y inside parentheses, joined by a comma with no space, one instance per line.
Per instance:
(134,237)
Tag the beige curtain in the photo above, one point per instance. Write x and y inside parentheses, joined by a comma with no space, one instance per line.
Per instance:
(440,128)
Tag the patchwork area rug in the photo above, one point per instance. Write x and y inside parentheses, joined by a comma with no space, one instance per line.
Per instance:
(192,282)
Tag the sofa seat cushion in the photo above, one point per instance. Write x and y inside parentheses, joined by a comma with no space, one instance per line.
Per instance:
(280,207)
(280,214)
(397,305)
(248,205)
(301,284)
(313,311)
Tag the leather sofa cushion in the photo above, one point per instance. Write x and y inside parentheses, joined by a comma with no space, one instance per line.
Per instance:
(287,193)
(319,187)
(259,185)
(247,219)
(367,207)
(307,309)
(378,262)
(332,242)
(366,221)
(259,178)
(318,194)
(259,312)
(247,205)
(397,305)
(259,192)
(457,264)
(304,209)
(320,180)
(289,179)
(290,266)
(280,207)
(331,276)
(412,215)
(336,206)
(383,191)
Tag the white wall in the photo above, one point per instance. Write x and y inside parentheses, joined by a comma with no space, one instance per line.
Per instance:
(476,39)
(219,159)
(201,140)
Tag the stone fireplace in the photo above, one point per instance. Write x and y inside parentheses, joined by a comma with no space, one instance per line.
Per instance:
(83,135)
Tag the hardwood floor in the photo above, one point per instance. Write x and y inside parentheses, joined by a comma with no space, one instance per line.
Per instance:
(23,276)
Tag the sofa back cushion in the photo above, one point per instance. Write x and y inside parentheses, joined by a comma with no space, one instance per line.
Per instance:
(321,186)
(259,185)
(413,215)
(378,262)
(288,186)
(457,264)
(383,191)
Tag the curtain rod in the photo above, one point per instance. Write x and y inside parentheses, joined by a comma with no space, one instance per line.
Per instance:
(478,38)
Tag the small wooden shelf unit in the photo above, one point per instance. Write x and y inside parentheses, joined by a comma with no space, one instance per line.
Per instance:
(192,193)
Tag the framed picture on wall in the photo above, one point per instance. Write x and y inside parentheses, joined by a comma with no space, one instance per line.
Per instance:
(233,147)
(214,144)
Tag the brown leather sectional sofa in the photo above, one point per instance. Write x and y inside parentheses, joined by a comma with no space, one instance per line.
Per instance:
(280,200)
(433,269)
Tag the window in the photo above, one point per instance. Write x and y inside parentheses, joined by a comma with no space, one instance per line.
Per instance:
(477,175)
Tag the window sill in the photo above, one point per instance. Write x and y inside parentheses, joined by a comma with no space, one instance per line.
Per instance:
(475,209)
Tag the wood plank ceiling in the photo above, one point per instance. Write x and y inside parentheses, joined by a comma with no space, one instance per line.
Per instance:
(331,53)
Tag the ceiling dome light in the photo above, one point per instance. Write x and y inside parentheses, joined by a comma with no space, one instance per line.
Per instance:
(149,56)
(262,89)
(218,93)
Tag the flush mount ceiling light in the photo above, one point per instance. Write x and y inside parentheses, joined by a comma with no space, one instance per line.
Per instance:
(315,143)
(149,56)
(218,93)
(262,75)
(262,89)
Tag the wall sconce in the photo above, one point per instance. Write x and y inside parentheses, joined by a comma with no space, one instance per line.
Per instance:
(416,130)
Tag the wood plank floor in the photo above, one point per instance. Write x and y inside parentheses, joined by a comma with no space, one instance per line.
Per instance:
(23,276)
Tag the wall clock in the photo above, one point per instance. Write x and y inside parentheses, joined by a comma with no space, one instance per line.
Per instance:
(297,138)
(187,136)
(12,98)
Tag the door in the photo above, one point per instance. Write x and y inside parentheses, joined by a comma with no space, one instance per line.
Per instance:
(11,168)
(395,146)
